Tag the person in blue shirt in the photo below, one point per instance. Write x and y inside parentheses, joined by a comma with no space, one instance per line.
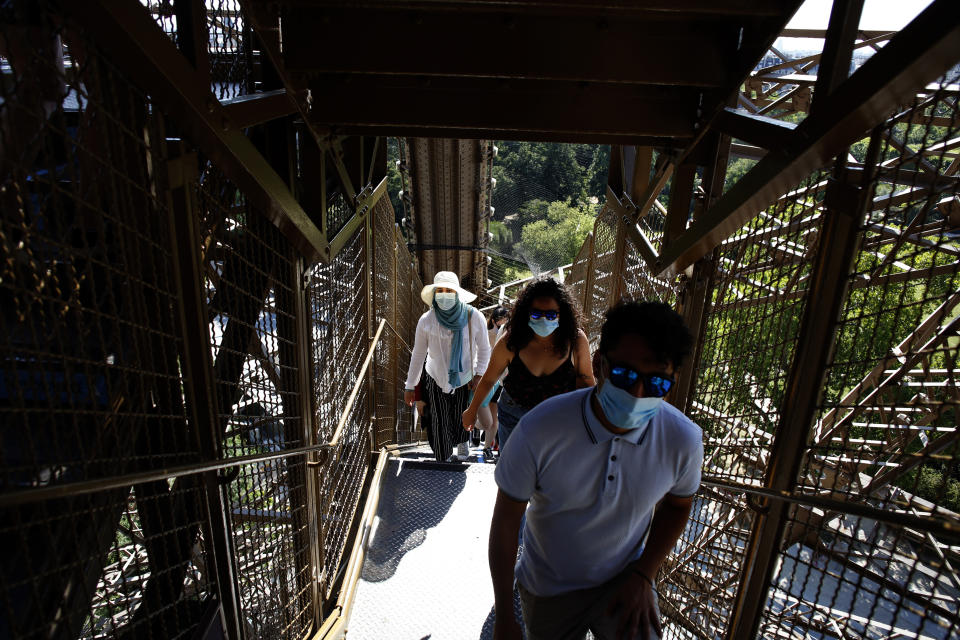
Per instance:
(606,477)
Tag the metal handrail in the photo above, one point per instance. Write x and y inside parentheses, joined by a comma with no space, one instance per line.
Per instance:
(944,529)
(23,496)
(334,625)
(345,414)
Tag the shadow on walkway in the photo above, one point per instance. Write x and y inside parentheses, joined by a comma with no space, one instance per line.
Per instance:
(411,502)
(486,631)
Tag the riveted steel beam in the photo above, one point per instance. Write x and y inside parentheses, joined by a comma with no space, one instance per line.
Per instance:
(920,53)
(140,49)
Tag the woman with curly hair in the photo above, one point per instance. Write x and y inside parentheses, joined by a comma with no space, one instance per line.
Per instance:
(546,351)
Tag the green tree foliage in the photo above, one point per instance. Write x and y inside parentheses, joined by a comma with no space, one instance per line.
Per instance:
(527,171)
(555,238)
(502,237)
(736,170)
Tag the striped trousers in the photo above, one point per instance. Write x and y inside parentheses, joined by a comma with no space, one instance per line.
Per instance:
(445,421)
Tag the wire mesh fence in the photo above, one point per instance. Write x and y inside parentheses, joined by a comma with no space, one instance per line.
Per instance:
(865,549)
(886,431)
(396,301)
(126,513)
(130,507)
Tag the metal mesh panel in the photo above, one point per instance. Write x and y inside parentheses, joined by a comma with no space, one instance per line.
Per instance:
(604,278)
(748,345)
(338,318)
(253,340)
(886,431)
(577,277)
(90,385)
(338,213)
(268,513)
(640,284)
(251,330)
(165,15)
(391,303)
(229,49)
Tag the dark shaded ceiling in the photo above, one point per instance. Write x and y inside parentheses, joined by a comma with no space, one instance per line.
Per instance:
(564,70)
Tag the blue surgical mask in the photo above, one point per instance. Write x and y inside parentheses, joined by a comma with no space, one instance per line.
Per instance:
(445,301)
(625,410)
(544,327)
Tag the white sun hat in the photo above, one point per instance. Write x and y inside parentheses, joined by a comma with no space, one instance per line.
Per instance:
(449,280)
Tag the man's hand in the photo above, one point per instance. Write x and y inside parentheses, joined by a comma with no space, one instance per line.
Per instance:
(469,419)
(635,608)
(408,397)
(473,383)
(506,628)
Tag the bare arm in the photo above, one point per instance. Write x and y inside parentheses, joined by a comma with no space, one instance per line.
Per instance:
(584,366)
(502,555)
(499,360)
(634,601)
(668,524)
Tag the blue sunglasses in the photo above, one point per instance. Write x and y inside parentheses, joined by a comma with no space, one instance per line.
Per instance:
(654,385)
(549,315)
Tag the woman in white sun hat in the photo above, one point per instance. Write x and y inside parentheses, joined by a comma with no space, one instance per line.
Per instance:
(452,338)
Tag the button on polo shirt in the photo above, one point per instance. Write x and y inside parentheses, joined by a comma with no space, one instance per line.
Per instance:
(591,493)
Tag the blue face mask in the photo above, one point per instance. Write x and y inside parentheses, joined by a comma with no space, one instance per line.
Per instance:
(625,410)
(445,301)
(543,327)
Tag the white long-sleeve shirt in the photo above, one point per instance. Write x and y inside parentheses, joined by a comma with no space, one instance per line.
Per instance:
(433,343)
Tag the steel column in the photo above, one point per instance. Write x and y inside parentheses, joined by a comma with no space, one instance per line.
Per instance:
(199,388)
(846,205)
(301,311)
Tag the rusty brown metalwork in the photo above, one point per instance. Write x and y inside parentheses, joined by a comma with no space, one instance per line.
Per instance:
(186,439)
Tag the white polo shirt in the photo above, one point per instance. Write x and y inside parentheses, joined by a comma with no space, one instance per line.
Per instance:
(592,493)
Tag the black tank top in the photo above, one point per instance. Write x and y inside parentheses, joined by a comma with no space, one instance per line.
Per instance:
(529,390)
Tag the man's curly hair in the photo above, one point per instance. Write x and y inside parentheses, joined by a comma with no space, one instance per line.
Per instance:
(519,333)
(661,328)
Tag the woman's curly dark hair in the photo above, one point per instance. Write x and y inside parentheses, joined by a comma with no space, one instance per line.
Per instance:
(519,333)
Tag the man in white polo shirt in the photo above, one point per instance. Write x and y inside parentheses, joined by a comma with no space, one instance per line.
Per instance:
(609,474)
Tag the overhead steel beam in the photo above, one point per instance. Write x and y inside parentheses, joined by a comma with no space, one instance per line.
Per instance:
(754,129)
(139,48)
(656,8)
(247,111)
(471,44)
(489,108)
(925,49)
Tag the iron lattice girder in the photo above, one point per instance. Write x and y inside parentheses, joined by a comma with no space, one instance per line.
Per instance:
(526,70)
(128,33)
(450,200)
(925,49)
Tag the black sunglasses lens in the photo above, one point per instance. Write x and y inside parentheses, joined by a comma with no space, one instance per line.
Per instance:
(623,377)
(656,386)
(549,315)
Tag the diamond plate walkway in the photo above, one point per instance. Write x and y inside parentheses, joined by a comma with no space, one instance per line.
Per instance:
(425,574)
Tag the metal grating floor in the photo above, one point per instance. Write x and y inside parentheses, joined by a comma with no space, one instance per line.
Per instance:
(425,574)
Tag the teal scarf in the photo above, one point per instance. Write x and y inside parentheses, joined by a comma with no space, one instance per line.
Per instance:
(455,319)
